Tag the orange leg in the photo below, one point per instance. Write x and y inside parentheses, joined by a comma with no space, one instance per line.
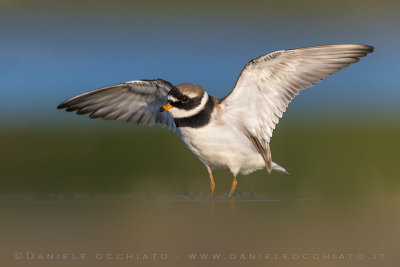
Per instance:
(212,182)
(233,187)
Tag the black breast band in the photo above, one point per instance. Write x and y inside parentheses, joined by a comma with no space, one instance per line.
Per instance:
(200,119)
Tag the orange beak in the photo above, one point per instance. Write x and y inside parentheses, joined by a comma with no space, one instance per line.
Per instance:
(165,107)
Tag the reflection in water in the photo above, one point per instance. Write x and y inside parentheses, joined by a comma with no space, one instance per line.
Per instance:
(248,231)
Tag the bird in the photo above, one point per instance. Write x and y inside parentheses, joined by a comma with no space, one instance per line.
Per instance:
(232,133)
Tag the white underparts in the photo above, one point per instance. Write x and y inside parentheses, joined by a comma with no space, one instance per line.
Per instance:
(182,113)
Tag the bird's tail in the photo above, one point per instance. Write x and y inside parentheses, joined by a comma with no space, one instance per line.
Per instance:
(280,169)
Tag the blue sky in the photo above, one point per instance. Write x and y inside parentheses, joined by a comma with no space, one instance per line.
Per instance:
(48,55)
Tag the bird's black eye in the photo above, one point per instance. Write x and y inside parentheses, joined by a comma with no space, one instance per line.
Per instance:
(184,99)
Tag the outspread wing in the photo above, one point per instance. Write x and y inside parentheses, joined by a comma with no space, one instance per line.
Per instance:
(267,84)
(134,101)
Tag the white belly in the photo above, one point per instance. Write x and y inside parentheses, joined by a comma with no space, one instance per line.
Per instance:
(222,147)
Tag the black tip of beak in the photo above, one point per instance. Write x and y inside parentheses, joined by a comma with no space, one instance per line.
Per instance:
(161,109)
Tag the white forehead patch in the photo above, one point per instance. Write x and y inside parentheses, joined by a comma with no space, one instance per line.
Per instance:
(182,113)
(172,98)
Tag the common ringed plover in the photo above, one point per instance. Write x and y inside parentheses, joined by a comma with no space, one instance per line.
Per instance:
(232,133)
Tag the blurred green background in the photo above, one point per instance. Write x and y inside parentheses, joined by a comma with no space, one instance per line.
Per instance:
(325,159)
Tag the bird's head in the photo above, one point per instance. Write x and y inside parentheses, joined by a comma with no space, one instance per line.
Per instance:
(185,100)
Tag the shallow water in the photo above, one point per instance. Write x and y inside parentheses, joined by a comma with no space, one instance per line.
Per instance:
(170,230)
